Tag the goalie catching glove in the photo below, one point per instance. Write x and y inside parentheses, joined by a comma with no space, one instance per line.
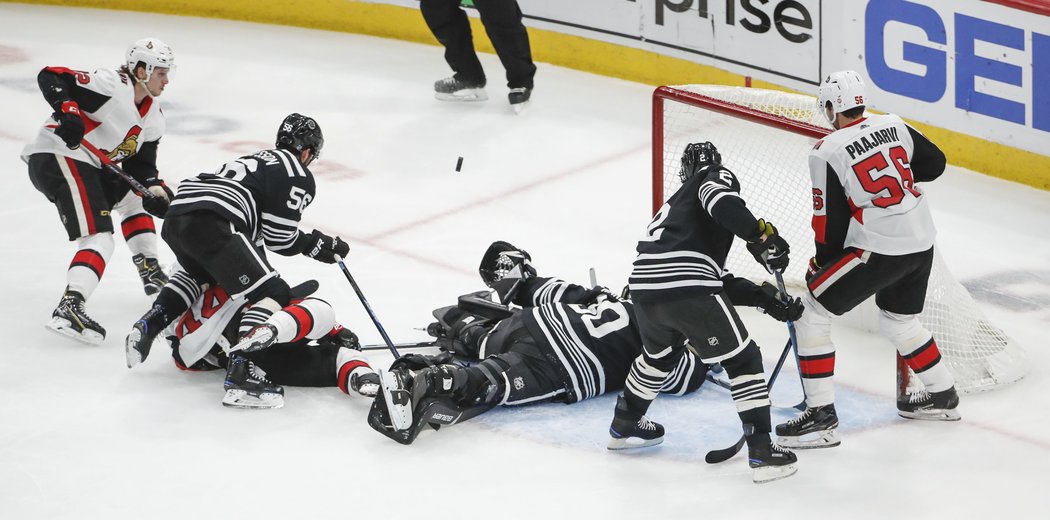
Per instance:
(324,248)
(778,306)
(769,249)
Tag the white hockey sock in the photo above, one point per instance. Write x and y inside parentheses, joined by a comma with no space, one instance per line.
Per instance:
(140,235)
(349,362)
(138,227)
(918,348)
(89,263)
(310,319)
(816,353)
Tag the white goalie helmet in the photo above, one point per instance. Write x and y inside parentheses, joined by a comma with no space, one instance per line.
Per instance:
(153,53)
(844,90)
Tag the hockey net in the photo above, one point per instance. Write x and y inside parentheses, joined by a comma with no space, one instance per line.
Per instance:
(765,137)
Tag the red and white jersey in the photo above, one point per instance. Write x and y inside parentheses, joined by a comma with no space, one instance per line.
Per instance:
(864,192)
(201,327)
(112,121)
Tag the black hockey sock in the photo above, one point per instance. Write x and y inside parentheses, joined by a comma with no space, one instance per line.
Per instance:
(635,405)
(758,418)
(170,304)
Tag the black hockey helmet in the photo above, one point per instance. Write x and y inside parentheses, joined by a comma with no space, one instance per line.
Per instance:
(298,132)
(504,267)
(697,156)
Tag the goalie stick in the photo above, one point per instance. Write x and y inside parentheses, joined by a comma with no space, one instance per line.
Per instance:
(368,308)
(110,166)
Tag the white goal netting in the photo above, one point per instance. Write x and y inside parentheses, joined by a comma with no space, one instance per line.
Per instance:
(765,137)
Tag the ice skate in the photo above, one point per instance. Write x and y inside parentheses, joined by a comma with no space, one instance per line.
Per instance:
(629,430)
(930,406)
(768,460)
(247,387)
(153,277)
(452,89)
(71,320)
(260,337)
(519,98)
(139,341)
(814,428)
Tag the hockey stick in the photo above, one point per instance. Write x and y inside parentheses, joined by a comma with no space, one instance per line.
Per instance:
(794,340)
(724,454)
(110,166)
(364,302)
(404,346)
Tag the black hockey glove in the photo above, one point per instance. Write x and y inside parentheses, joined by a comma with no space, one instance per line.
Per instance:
(340,337)
(324,248)
(70,125)
(772,253)
(771,301)
(157,205)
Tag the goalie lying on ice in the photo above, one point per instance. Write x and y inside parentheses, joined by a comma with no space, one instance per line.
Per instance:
(558,342)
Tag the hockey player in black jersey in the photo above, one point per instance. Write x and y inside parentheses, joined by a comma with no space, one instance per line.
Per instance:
(220,224)
(681,292)
(562,342)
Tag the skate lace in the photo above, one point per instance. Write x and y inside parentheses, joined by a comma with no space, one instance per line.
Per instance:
(77,306)
(645,424)
(780,449)
(801,418)
(257,373)
(919,397)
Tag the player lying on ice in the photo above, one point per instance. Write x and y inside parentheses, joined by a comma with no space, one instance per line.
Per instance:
(557,342)
(304,346)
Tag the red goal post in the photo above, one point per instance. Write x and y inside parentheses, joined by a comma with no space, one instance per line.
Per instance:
(764,137)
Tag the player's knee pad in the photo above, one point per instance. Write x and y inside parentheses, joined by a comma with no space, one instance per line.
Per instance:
(903,330)
(747,362)
(310,318)
(274,288)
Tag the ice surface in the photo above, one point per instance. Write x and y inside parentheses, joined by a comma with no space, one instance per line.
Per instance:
(81,436)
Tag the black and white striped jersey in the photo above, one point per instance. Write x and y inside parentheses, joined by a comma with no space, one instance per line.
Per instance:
(593,344)
(263,195)
(686,244)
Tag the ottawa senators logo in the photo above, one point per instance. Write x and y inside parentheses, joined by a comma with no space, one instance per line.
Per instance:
(127,147)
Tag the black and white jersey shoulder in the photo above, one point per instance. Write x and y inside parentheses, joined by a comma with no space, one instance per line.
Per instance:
(263,195)
(685,248)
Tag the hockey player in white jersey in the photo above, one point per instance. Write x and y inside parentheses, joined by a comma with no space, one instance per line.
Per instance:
(874,236)
(115,111)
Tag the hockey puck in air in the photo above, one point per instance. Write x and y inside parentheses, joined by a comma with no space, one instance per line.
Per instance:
(459,164)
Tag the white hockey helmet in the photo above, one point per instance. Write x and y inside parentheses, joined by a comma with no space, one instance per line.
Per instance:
(844,90)
(151,52)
